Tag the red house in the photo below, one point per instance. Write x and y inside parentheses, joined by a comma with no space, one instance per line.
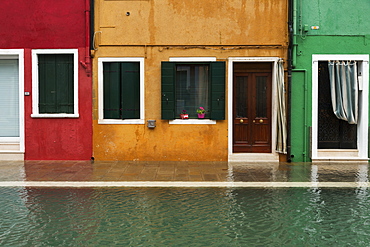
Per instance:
(45,80)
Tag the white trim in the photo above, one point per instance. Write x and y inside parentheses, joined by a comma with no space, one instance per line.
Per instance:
(183,184)
(101,119)
(192,59)
(231,60)
(35,83)
(16,54)
(362,127)
(192,121)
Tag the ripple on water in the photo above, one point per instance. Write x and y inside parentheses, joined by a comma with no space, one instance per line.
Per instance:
(184,217)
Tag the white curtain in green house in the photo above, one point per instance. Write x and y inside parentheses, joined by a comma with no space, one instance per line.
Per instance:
(344,90)
(9,98)
(281,116)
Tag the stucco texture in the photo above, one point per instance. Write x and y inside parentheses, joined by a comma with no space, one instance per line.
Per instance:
(157,30)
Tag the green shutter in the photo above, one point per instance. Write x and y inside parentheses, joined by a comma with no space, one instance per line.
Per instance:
(168,90)
(217,90)
(64,83)
(130,94)
(112,90)
(56,83)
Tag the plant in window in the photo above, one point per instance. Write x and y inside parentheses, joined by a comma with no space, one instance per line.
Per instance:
(184,115)
(201,112)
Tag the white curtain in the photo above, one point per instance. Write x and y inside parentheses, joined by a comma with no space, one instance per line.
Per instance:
(344,90)
(281,116)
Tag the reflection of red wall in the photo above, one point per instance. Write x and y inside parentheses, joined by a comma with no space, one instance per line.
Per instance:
(44,24)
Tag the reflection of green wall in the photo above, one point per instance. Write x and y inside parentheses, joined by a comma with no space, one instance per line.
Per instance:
(343,30)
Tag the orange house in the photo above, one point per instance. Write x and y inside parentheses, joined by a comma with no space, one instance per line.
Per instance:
(156,59)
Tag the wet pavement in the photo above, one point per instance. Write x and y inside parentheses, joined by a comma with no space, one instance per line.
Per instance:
(110,171)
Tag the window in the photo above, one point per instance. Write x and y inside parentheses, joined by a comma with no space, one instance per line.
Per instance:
(55,83)
(121,90)
(190,85)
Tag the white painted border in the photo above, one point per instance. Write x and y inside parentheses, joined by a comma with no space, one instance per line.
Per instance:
(16,54)
(192,59)
(362,130)
(252,156)
(101,119)
(35,83)
(180,184)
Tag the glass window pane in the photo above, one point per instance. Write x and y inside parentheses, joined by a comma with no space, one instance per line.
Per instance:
(9,98)
(261,94)
(192,88)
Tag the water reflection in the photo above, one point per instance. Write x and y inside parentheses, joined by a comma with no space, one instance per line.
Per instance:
(184,217)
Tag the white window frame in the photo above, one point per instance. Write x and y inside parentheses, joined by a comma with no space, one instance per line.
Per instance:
(192,59)
(35,83)
(361,153)
(101,119)
(16,54)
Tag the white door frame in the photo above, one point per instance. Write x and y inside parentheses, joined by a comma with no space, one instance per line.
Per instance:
(361,153)
(252,157)
(12,148)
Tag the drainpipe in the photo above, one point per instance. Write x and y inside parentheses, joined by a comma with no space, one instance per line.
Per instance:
(290,66)
(293,8)
(86,63)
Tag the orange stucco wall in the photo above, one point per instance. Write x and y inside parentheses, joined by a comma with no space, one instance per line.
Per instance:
(159,29)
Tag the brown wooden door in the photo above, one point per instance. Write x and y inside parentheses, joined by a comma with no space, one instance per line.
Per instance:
(252,113)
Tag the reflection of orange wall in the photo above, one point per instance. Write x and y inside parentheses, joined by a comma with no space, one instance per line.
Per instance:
(160,29)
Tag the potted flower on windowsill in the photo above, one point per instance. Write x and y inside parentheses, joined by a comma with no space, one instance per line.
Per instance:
(184,115)
(201,112)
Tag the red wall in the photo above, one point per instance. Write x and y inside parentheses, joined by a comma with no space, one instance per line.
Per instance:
(45,24)
(42,24)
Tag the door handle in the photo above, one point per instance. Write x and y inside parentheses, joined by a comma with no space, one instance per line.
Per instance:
(261,120)
(241,120)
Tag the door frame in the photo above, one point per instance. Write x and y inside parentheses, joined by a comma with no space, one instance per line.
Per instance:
(252,157)
(361,153)
(6,152)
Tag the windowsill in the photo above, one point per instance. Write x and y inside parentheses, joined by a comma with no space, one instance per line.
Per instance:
(192,121)
(118,121)
(61,115)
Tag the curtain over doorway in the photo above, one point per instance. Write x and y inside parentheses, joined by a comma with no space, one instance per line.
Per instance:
(344,90)
(281,116)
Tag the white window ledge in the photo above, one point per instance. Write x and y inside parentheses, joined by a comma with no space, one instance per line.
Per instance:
(193,121)
(62,115)
(118,121)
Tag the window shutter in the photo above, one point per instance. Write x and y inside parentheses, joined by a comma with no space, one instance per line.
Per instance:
(130,79)
(168,90)
(47,84)
(112,90)
(64,83)
(55,83)
(217,90)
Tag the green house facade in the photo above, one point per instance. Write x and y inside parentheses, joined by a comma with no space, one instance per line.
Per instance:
(329,115)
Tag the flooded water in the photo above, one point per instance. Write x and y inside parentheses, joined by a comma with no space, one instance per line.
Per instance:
(184,217)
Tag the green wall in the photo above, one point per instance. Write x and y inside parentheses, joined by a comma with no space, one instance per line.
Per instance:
(344,28)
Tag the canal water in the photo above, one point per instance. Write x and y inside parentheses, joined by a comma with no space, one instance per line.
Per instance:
(184,216)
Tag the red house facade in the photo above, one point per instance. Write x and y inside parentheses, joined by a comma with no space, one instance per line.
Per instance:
(45,80)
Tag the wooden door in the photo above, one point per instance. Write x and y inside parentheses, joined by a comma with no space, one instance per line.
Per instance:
(252,112)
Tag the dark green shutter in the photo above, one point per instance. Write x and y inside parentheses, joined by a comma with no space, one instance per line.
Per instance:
(112,90)
(168,90)
(56,85)
(130,79)
(217,90)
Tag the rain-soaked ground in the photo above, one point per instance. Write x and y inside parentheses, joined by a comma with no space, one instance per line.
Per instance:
(182,171)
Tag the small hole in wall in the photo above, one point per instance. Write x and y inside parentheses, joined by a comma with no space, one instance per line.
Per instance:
(128,13)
